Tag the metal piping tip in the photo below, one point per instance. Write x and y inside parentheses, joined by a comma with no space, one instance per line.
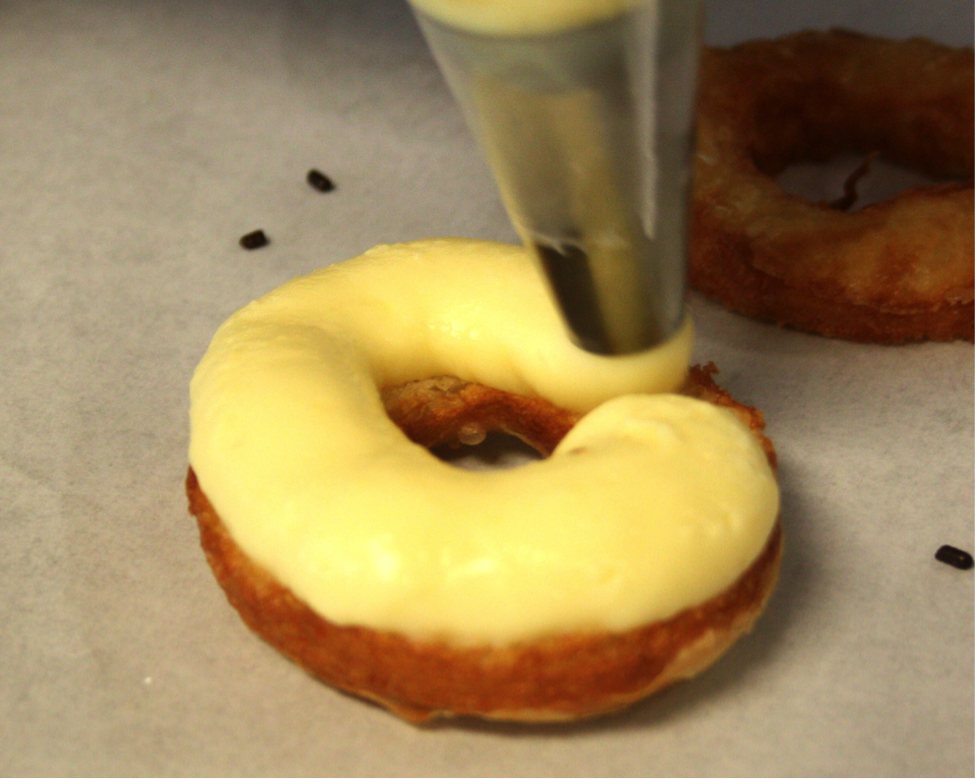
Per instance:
(589,134)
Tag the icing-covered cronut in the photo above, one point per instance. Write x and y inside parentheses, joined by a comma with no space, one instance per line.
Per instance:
(631,557)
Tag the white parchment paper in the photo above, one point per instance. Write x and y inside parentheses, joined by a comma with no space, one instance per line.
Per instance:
(138,140)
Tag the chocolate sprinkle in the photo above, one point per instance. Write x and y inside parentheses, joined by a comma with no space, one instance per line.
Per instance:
(319,181)
(958,558)
(254,240)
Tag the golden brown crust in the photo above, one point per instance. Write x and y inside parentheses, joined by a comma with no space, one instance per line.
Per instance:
(894,271)
(559,678)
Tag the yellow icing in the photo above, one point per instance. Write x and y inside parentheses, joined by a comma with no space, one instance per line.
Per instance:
(522,17)
(652,503)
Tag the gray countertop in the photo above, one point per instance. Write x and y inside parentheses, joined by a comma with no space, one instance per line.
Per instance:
(138,141)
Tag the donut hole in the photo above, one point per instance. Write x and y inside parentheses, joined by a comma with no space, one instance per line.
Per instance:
(476,427)
(837,141)
(814,148)
(851,182)
(496,451)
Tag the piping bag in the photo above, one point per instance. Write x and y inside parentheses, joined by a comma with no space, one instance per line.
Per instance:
(585,112)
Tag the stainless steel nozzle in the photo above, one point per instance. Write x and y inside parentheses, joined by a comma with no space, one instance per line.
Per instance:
(589,134)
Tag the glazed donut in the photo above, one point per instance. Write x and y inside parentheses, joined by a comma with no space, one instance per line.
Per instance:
(895,271)
(631,557)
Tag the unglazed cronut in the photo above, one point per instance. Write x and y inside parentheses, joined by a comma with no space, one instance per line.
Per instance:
(894,271)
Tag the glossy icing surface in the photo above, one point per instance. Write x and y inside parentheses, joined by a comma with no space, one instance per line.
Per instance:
(652,503)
